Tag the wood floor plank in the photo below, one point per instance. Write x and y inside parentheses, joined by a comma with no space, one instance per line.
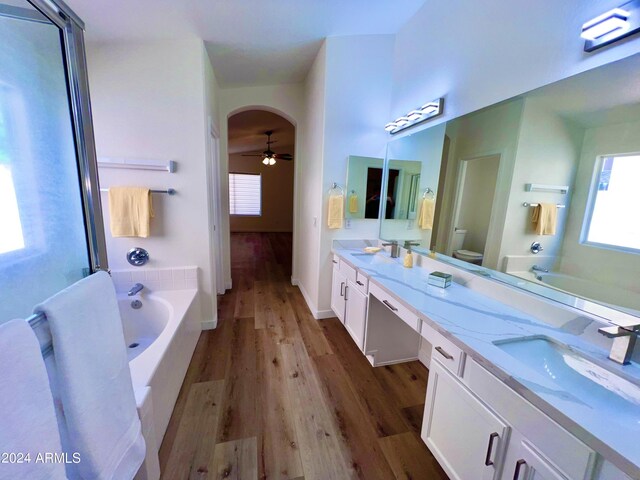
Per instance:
(413,416)
(356,428)
(244,298)
(312,336)
(238,417)
(262,307)
(410,458)
(387,418)
(235,460)
(406,382)
(323,453)
(190,455)
(278,448)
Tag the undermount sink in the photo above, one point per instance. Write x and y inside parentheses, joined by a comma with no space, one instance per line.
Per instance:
(589,382)
(373,259)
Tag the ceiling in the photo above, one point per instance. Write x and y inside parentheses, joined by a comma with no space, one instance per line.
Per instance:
(246,132)
(250,42)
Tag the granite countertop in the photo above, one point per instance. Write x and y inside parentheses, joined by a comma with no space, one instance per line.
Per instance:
(474,322)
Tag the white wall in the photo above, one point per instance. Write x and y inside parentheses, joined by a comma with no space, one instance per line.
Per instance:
(356,105)
(478,53)
(285,100)
(601,265)
(548,151)
(150,101)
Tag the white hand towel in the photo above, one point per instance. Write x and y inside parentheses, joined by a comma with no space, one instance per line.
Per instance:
(28,422)
(94,381)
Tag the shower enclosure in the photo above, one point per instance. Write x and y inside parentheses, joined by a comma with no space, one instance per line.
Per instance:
(51,232)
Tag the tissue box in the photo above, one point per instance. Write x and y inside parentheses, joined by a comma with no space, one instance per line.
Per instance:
(439,279)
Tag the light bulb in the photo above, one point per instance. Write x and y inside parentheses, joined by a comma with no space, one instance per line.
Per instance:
(429,108)
(402,121)
(414,115)
(608,22)
(272,161)
(265,160)
(390,127)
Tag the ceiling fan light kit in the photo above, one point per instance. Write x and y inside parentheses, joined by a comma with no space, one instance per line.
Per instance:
(269,157)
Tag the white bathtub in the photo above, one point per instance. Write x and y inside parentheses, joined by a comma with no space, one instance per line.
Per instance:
(163,335)
(615,297)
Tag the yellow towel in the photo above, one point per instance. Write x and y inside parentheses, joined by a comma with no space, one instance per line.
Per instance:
(545,218)
(336,211)
(426,213)
(131,210)
(353,203)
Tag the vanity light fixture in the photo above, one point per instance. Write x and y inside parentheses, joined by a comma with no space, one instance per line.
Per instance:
(419,115)
(611,26)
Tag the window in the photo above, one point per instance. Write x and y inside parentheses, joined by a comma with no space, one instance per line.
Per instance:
(245,194)
(12,237)
(611,220)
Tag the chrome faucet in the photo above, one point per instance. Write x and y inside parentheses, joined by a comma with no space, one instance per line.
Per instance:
(137,288)
(624,340)
(395,248)
(536,268)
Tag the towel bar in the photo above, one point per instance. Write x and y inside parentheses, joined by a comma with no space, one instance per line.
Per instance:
(35,321)
(168,191)
(527,204)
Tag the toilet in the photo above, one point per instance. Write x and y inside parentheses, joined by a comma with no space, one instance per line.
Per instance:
(461,254)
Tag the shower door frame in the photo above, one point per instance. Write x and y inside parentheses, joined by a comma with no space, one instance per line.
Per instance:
(75,64)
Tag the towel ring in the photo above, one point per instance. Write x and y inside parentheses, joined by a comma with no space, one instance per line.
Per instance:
(429,192)
(335,186)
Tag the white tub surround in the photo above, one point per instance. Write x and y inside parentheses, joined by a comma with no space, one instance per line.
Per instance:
(179,278)
(471,328)
(173,317)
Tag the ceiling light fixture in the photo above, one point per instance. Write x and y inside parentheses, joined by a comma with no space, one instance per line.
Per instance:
(611,26)
(272,161)
(265,160)
(419,115)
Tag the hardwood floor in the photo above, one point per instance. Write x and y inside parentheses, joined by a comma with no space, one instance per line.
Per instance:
(273,393)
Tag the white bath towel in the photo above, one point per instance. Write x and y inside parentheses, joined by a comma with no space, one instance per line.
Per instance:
(94,381)
(28,422)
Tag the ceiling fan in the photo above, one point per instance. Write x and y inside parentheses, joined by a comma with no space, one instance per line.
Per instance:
(269,156)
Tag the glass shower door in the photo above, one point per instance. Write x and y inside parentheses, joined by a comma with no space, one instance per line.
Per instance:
(44,239)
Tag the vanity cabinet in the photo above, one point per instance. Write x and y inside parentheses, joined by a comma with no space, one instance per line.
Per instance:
(338,284)
(462,433)
(355,318)
(524,462)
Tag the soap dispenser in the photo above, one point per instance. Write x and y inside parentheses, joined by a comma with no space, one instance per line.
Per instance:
(408,258)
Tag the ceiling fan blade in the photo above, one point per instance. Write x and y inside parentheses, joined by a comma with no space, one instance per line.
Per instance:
(252,155)
(284,156)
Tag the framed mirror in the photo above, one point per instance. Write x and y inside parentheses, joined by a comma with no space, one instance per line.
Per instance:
(364,187)
(541,191)
(411,178)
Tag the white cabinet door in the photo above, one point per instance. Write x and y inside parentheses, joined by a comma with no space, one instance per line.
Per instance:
(338,285)
(356,315)
(523,462)
(465,437)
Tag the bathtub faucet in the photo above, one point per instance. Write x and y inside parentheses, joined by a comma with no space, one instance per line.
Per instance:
(137,288)
(536,268)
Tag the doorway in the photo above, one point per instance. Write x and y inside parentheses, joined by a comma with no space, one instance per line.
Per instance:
(474,201)
(261,174)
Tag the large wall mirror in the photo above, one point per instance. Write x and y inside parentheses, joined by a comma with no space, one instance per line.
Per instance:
(411,185)
(364,187)
(541,191)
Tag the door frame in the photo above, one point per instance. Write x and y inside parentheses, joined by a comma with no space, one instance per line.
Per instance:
(214,210)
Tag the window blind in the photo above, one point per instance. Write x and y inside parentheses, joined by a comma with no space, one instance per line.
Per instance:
(245,194)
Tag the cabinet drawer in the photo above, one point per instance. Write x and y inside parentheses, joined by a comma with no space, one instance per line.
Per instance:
(362,283)
(568,454)
(348,271)
(396,307)
(447,353)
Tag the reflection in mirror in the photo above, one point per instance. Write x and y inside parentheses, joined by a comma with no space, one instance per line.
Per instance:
(364,187)
(558,166)
(411,179)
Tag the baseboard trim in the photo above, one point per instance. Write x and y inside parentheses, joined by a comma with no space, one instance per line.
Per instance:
(209,324)
(322,314)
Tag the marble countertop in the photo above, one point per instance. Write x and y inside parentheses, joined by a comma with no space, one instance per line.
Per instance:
(474,322)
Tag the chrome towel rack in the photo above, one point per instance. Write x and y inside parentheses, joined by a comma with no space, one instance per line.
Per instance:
(428,191)
(527,204)
(168,191)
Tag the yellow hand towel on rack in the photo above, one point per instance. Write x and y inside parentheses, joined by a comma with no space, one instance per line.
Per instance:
(545,218)
(336,210)
(426,213)
(353,203)
(131,210)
